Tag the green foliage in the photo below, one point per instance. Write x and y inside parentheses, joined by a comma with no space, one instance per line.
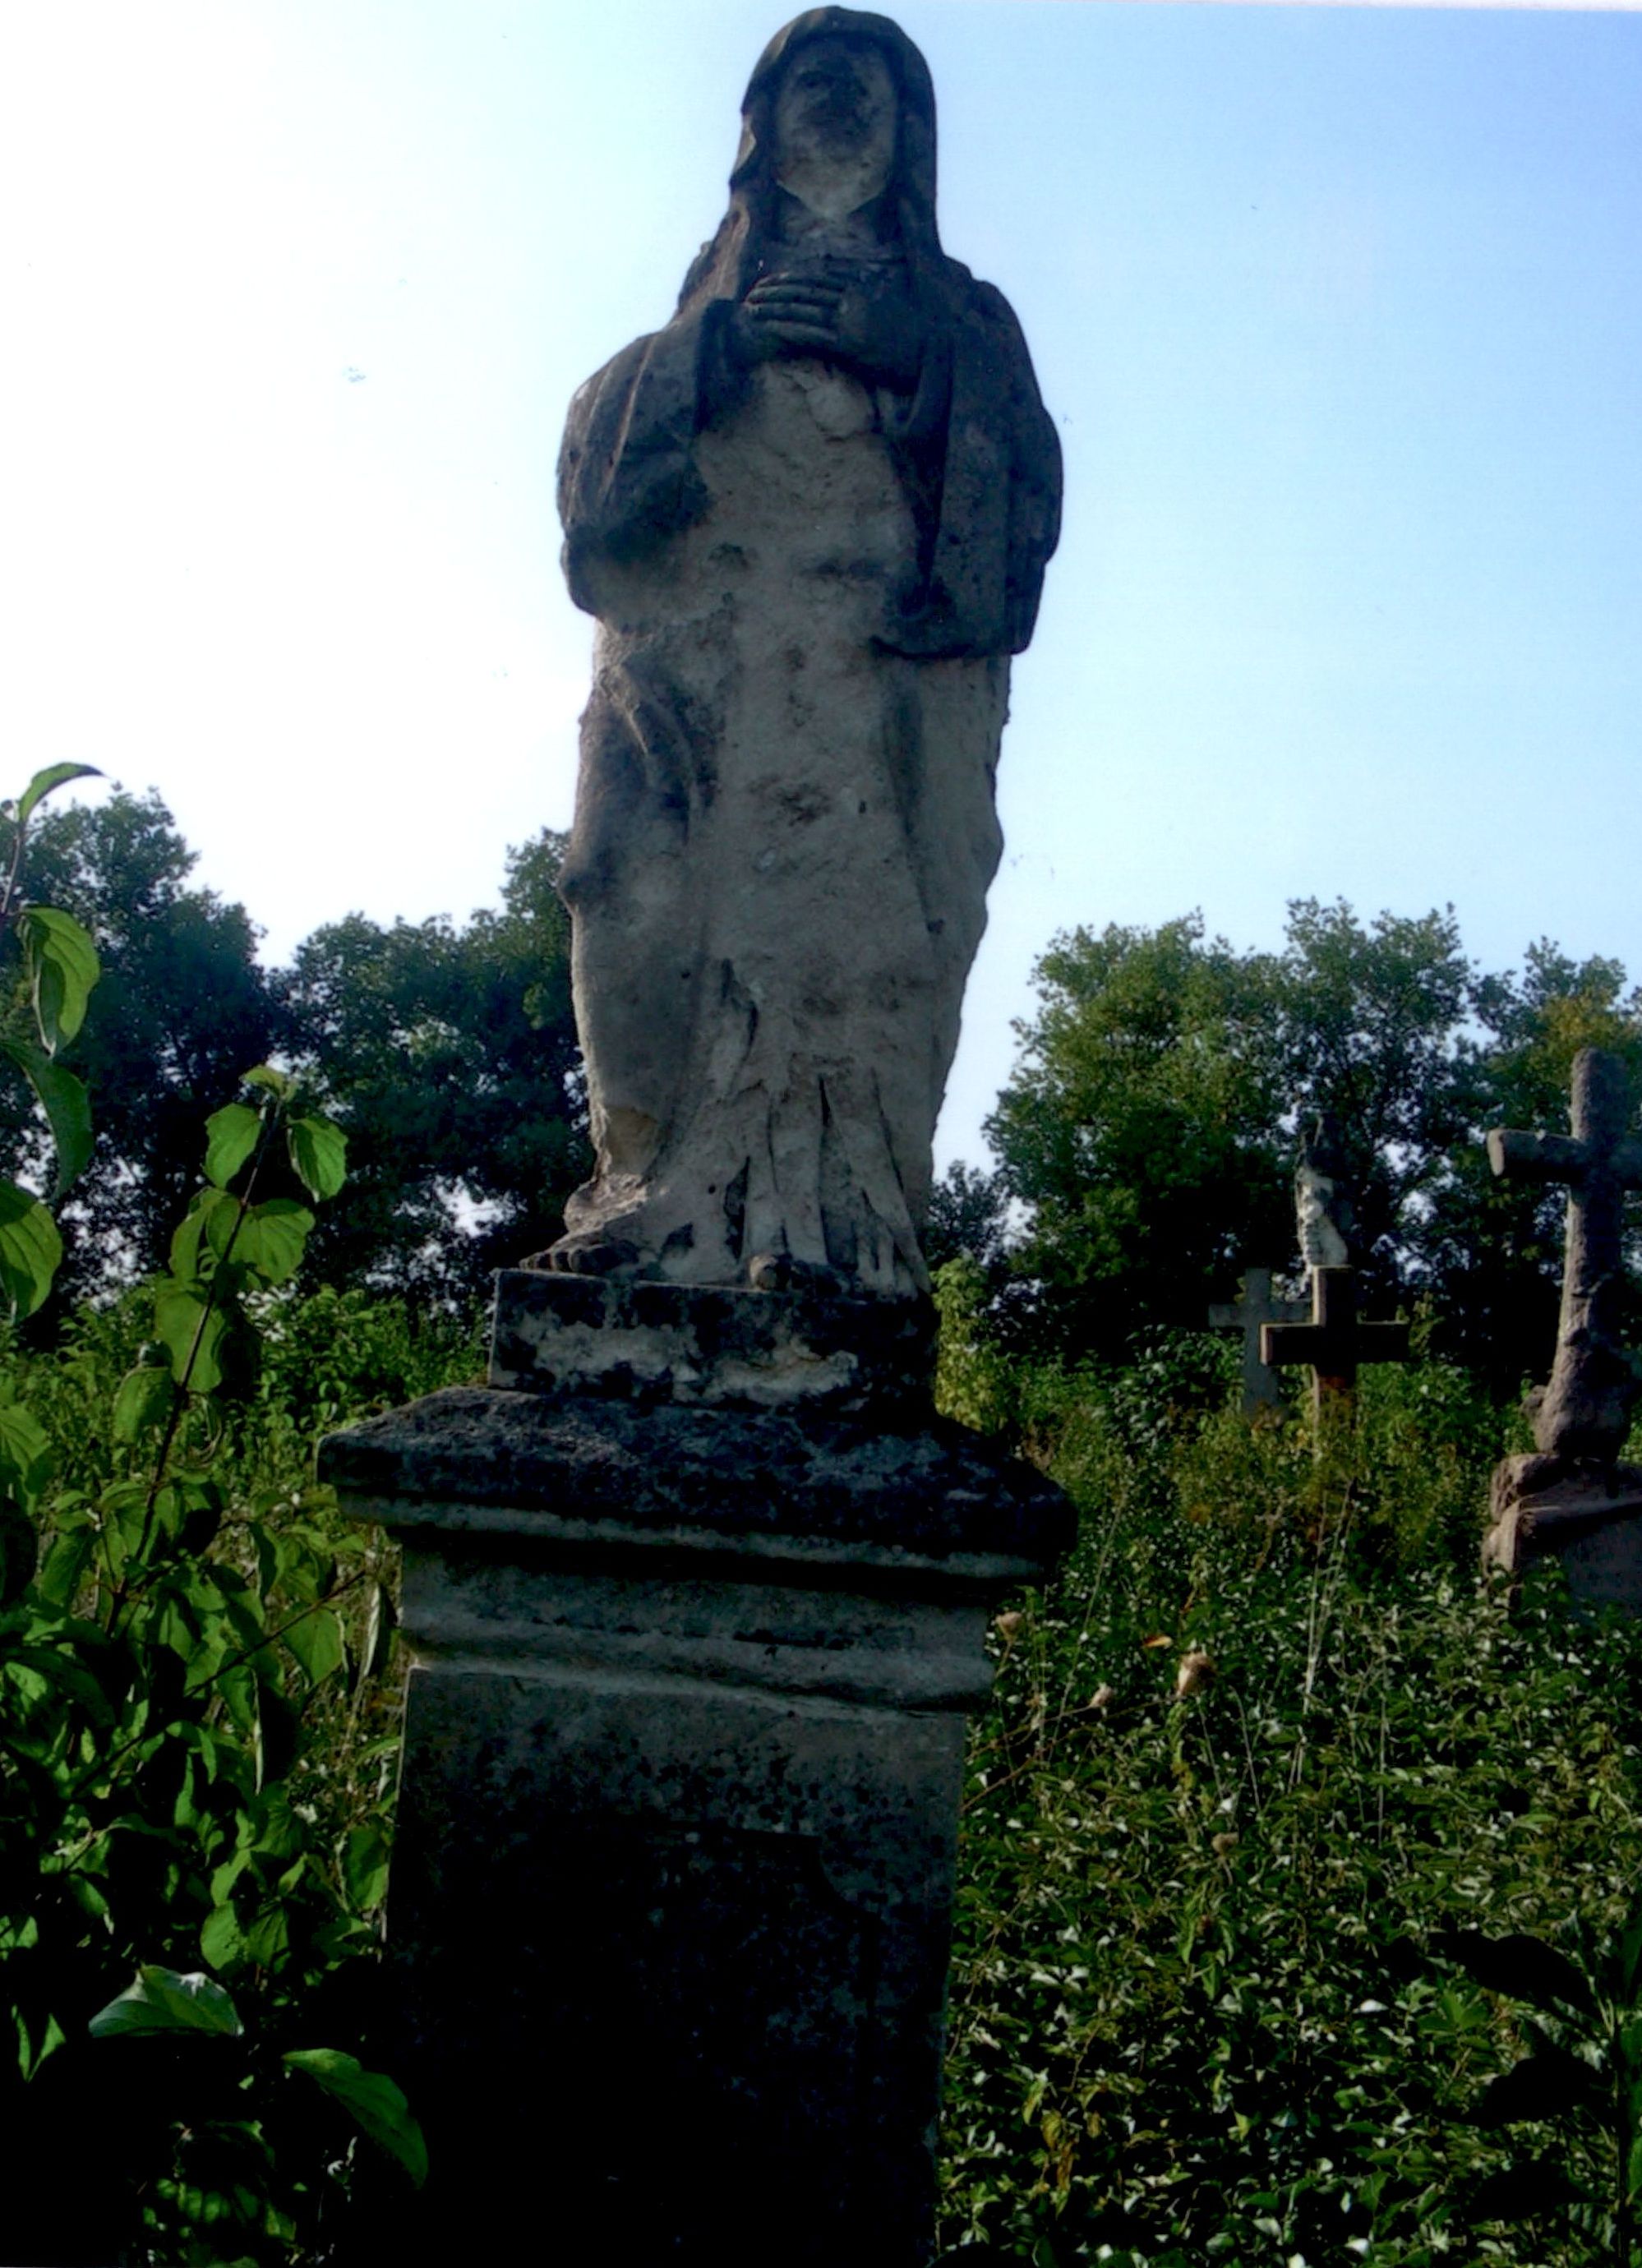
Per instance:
(160,2000)
(182,1008)
(375,2101)
(1582,2012)
(1141,1127)
(53,966)
(195,1745)
(1146,1138)
(1266,1746)
(449,1056)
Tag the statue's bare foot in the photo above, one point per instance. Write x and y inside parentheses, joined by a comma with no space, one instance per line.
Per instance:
(586,1254)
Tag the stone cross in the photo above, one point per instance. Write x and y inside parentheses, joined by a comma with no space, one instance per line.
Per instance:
(1585,1412)
(1257,1306)
(1335,1341)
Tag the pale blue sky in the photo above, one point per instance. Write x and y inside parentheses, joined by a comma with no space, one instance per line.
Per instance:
(1340,312)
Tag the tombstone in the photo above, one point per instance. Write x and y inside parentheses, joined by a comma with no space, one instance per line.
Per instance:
(1336,1342)
(1572,1498)
(697,1584)
(1257,1307)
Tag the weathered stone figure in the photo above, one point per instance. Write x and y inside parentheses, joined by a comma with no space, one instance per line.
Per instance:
(1573,1498)
(697,1586)
(1595,1383)
(1325,1215)
(811,515)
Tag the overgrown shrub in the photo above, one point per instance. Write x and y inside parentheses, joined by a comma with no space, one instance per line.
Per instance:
(1269,1739)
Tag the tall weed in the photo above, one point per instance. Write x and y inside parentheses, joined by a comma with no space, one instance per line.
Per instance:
(1267,1742)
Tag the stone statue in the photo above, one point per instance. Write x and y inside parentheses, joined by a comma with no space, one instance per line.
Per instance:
(812,516)
(1324,1214)
(1574,1498)
(1586,1410)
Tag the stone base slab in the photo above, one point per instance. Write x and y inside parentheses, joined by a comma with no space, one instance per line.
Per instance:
(935,1509)
(669,1917)
(1584,1514)
(708,1348)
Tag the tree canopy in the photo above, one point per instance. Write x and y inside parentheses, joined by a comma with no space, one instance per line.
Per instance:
(446,1052)
(182,1010)
(449,1056)
(1147,1136)
(1145,1141)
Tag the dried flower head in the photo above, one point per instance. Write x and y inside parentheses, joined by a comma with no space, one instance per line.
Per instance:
(1195,1669)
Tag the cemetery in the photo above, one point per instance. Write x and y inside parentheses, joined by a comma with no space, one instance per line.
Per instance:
(757,1704)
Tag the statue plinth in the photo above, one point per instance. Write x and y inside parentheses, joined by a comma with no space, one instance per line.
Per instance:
(653,1343)
(670,1908)
(1586,1513)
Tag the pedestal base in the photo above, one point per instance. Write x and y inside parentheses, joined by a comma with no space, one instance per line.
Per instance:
(1588,1516)
(672,1881)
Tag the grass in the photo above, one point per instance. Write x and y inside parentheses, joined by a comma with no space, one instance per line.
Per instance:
(1267,1739)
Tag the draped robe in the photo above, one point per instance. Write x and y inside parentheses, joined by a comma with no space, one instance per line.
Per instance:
(808,589)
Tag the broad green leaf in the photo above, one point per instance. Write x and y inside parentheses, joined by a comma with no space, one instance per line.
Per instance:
(277,1082)
(63,1098)
(30,1249)
(192,1331)
(144,1401)
(63,967)
(27,1455)
(62,1570)
(54,776)
(317,1642)
(163,2001)
(230,1136)
(33,2052)
(268,1941)
(270,1241)
(319,1153)
(364,1868)
(221,1940)
(1523,1966)
(379,1631)
(213,1209)
(374,2100)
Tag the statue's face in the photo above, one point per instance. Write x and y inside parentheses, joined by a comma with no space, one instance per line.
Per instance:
(1321,1243)
(835,125)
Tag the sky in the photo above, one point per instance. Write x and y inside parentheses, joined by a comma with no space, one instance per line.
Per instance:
(1339,311)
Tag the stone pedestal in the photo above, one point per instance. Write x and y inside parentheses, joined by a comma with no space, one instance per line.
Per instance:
(1584,1513)
(672,1881)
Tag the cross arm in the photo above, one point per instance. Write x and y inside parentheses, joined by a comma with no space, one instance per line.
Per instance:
(1543,1157)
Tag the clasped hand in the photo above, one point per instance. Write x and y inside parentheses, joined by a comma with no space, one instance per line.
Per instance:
(872,329)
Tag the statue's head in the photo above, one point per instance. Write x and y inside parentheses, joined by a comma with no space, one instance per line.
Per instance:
(839,110)
(842,87)
(834,123)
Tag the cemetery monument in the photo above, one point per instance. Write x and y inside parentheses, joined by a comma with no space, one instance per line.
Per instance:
(1258,1306)
(696,1585)
(1573,1497)
(1334,1338)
